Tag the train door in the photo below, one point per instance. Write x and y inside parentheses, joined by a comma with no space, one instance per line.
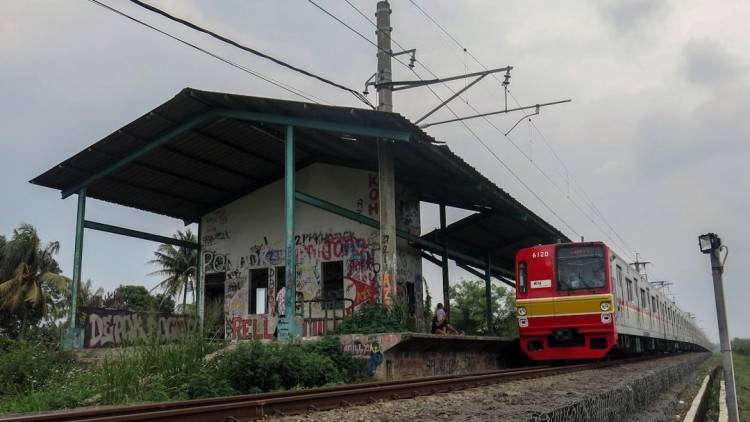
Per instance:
(624,313)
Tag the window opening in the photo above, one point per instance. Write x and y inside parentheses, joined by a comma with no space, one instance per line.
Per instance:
(258,297)
(280,277)
(333,284)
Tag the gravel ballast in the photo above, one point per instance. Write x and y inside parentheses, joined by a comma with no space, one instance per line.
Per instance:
(578,395)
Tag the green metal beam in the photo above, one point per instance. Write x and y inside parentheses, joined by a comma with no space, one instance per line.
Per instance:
(479,274)
(488,293)
(426,244)
(93,225)
(139,152)
(343,128)
(200,278)
(443,238)
(73,336)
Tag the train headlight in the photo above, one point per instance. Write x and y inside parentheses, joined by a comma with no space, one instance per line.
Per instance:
(521,311)
(523,322)
(604,306)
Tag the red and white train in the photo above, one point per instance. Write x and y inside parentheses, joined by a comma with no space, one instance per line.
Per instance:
(582,301)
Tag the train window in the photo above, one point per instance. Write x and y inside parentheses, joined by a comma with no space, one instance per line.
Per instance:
(522,277)
(630,290)
(580,267)
(653,304)
(644,301)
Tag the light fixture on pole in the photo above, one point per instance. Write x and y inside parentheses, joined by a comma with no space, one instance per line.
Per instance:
(710,243)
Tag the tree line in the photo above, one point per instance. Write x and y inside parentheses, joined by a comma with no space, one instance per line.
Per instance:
(35,294)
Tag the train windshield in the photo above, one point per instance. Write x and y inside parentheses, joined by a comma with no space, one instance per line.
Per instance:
(580,267)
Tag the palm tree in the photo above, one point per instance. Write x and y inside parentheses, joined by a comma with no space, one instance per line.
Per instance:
(178,265)
(29,275)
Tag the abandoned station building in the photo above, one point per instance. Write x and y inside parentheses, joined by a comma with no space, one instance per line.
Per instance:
(273,184)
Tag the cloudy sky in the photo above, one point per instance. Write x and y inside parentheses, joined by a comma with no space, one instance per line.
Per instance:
(656,135)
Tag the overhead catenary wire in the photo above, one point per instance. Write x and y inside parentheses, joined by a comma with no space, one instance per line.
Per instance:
(251,50)
(279,84)
(622,243)
(466,126)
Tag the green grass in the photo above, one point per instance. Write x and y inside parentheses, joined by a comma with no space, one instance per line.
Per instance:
(178,371)
(742,380)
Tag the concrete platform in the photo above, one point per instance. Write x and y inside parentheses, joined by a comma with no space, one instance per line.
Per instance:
(413,355)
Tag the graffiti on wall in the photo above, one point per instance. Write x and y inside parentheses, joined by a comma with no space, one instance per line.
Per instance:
(111,328)
(259,327)
(370,349)
(229,250)
(263,327)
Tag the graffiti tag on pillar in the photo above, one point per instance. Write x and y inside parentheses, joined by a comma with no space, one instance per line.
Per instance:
(373,194)
(387,288)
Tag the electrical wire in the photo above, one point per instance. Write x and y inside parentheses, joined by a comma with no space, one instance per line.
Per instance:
(251,50)
(466,126)
(624,245)
(282,85)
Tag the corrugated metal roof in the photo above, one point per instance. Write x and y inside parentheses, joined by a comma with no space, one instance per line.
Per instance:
(224,158)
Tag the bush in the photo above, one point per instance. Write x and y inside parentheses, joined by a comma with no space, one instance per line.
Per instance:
(255,367)
(377,318)
(741,346)
(147,372)
(352,369)
(27,364)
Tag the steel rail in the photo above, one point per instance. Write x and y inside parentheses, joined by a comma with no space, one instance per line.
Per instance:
(84,413)
(258,406)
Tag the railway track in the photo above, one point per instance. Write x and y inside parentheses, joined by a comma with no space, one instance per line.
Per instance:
(258,406)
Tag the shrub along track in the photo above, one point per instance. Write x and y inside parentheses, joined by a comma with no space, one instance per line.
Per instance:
(258,406)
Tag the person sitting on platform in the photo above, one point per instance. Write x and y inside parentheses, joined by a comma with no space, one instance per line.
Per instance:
(440,322)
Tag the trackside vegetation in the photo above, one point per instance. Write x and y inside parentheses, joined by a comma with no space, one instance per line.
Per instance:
(741,355)
(40,377)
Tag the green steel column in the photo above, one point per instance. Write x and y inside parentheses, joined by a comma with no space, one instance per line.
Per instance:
(444,266)
(287,326)
(488,294)
(199,277)
(72,340)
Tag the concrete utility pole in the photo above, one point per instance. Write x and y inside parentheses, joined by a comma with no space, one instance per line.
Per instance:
(711,244)
(386,178)
(717,270)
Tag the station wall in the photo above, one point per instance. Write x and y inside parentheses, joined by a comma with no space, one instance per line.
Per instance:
(248,235)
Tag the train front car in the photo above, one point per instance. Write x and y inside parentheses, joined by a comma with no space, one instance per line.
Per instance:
(564,301)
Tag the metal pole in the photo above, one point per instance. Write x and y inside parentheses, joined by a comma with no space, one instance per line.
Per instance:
(386,177)
(77,260)
(287,328)
(200,279)
(444,263)
(726,347)
(488,294)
